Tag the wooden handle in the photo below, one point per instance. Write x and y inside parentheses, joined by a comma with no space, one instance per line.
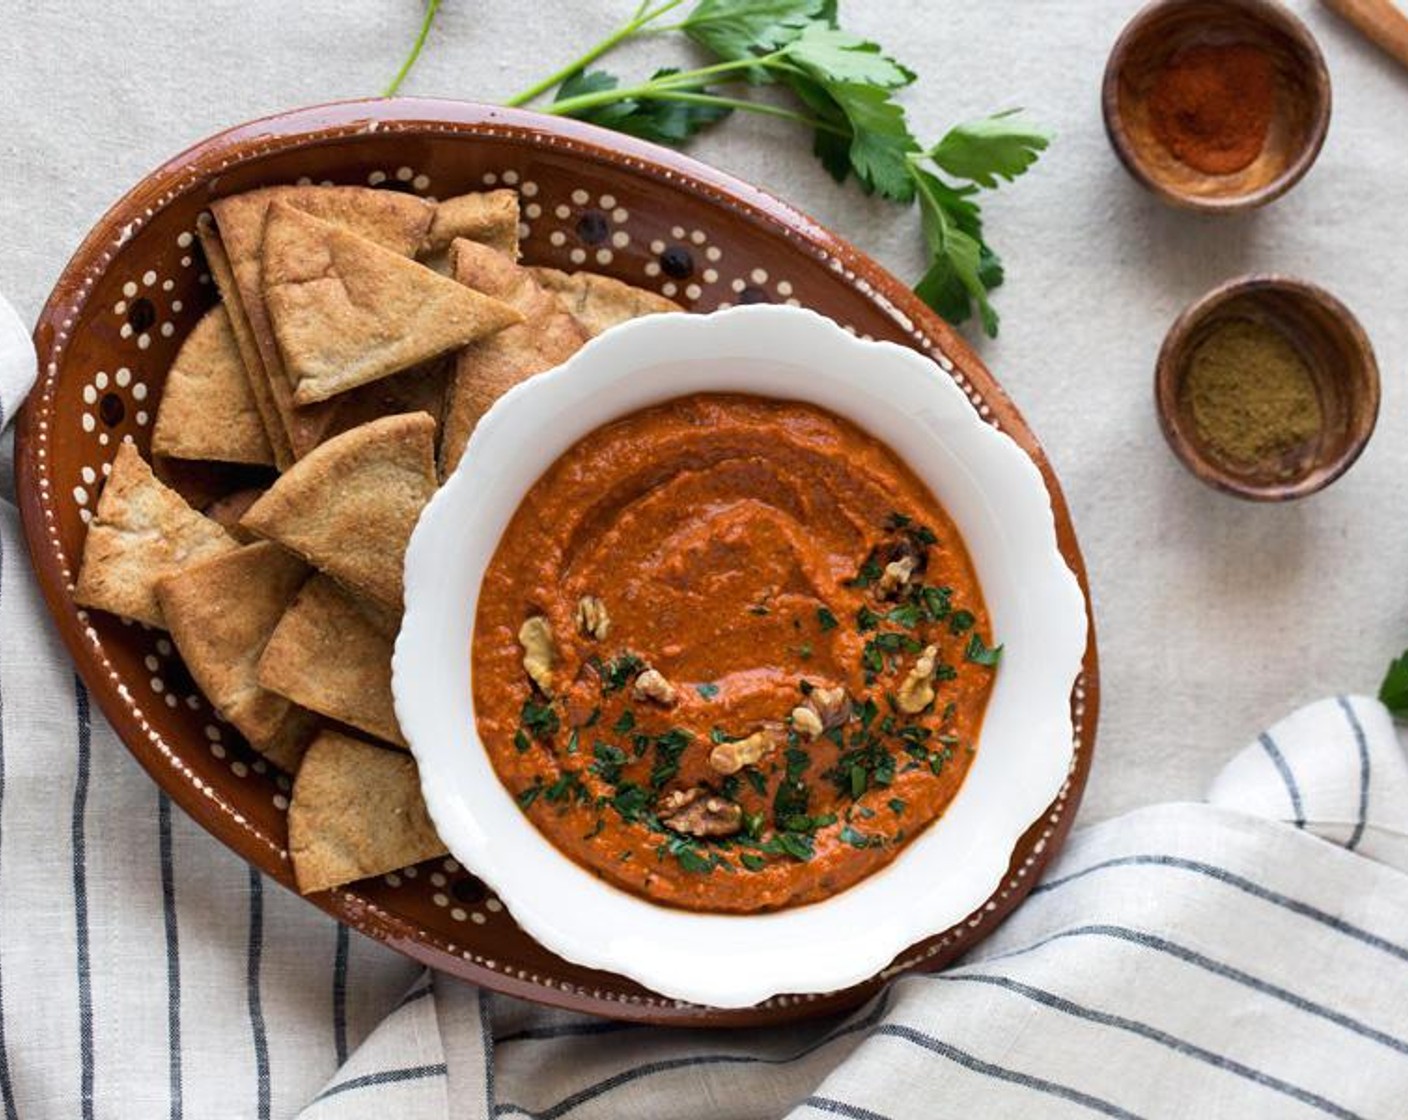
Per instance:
(1380,20)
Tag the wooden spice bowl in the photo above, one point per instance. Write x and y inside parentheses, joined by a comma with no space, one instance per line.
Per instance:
(1337,353)
(1300,117)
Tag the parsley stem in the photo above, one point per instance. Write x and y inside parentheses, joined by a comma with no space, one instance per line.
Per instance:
(655,87)
(431,7)
(644,15)
(760,107)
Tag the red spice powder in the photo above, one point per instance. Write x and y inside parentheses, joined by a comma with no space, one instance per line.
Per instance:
(1211,106)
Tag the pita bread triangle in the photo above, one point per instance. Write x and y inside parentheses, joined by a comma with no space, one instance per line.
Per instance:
(487,369)
(330,655)
(142,532)
(349,506)
(207,409)
(356,811)
(221,614)
(346,311)
(600,302)
(392,219)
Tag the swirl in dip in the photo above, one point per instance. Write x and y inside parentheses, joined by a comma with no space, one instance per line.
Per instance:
(731,654)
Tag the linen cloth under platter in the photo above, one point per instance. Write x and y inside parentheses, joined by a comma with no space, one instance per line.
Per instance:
(1247,957)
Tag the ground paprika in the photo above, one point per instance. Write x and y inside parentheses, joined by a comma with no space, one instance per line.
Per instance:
(1211,106)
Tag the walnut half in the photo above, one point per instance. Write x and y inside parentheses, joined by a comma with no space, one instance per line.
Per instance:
(823,709)
(539,652)
(896,576)
(730,758)
(652,685)
(592,619)
(916,692)
(697,812)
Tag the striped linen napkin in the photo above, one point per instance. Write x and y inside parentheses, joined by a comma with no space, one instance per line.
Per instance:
(1247,957)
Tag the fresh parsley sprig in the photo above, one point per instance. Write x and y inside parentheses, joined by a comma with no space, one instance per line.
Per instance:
(1393,693)
(844,89)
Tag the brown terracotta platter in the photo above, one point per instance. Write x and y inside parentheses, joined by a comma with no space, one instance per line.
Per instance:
(591,199)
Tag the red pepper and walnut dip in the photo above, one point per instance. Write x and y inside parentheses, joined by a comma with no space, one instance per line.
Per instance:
(731,654)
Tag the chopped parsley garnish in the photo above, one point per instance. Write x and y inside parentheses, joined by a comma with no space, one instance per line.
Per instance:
(826,619)
(867,619)
(859,839)
(730,787)
(609,760)
(897,806)
(708,690)
(521,741)
(540,719)
(693,862)
(804,651)
(528,796)
(757,781)
(617,672)
(937,601)
(907,616)
(596,829)
(961,622)
(567,787)
(979,653)
(797,846)
(792,795)
(632,802)
(625,722)
(869,572)
(752,861)
(758,609)
(668,749)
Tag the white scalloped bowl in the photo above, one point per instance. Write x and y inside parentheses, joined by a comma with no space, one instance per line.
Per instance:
(989,487)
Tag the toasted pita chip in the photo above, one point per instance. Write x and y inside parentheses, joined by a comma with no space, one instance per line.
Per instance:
(397,221)
(221,613)
(207,410)
(346,311)
(143,531)
(256,377)
(489,217)
(356,811)
(330,655)
(348,507)
(487,369)
(421,389)
(226,512)
(599,302)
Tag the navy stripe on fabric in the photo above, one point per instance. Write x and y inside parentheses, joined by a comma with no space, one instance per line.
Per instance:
(7,1089)
(567,1030)
(1243,884)
(414,995)
(1362,744)
(1217,968)
(1002,1073)
(841,1108)
(80,899)
(486,1036)
(339,994)
(383,1077)
(173,952)
(1268,744)
(665,1065)
(1153,1034)
(256,1006)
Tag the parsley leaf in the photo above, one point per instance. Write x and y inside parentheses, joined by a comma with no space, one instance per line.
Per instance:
(826,619)
(662,120)
(980,654)
(1001,146)
(707,690)
(832,55)
(1394,691)
(734,29)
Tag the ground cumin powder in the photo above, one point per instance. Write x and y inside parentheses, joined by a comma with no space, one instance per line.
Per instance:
(1211,106)
(1251,395)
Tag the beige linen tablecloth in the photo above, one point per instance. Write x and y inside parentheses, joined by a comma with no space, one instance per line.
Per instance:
(1185,961)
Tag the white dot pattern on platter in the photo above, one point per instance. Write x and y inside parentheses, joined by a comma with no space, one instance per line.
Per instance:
(392,879)
(458,915)
(693,291)
(89,475)
(158,685)
(607,202)
(557,237)
(713,252)
(737,285)
(657,246)
(139,391)
(528,189)
(167,285)
(477,918)
(90,394)
(184,239)
(129,289)
(280,802)
(125,331)
(120,307)
(420,182)
(580,197)
(123,377)
(404,174)
(710,275)
(217,750)
(668,288)
(677,232)
(759,276)
(438,879)
(652,268)
(148,278)
(239,769)
(167,330)
(152,663)
(620,215)
(489,178)
(603,256)
(410,872)
(186,262)
(698,237)
(103,439)
(143,341)
(451,865)
(533,210)
(563,211)
(620,239)
(493,904)
(578,256)
(510,176)
(440,899)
